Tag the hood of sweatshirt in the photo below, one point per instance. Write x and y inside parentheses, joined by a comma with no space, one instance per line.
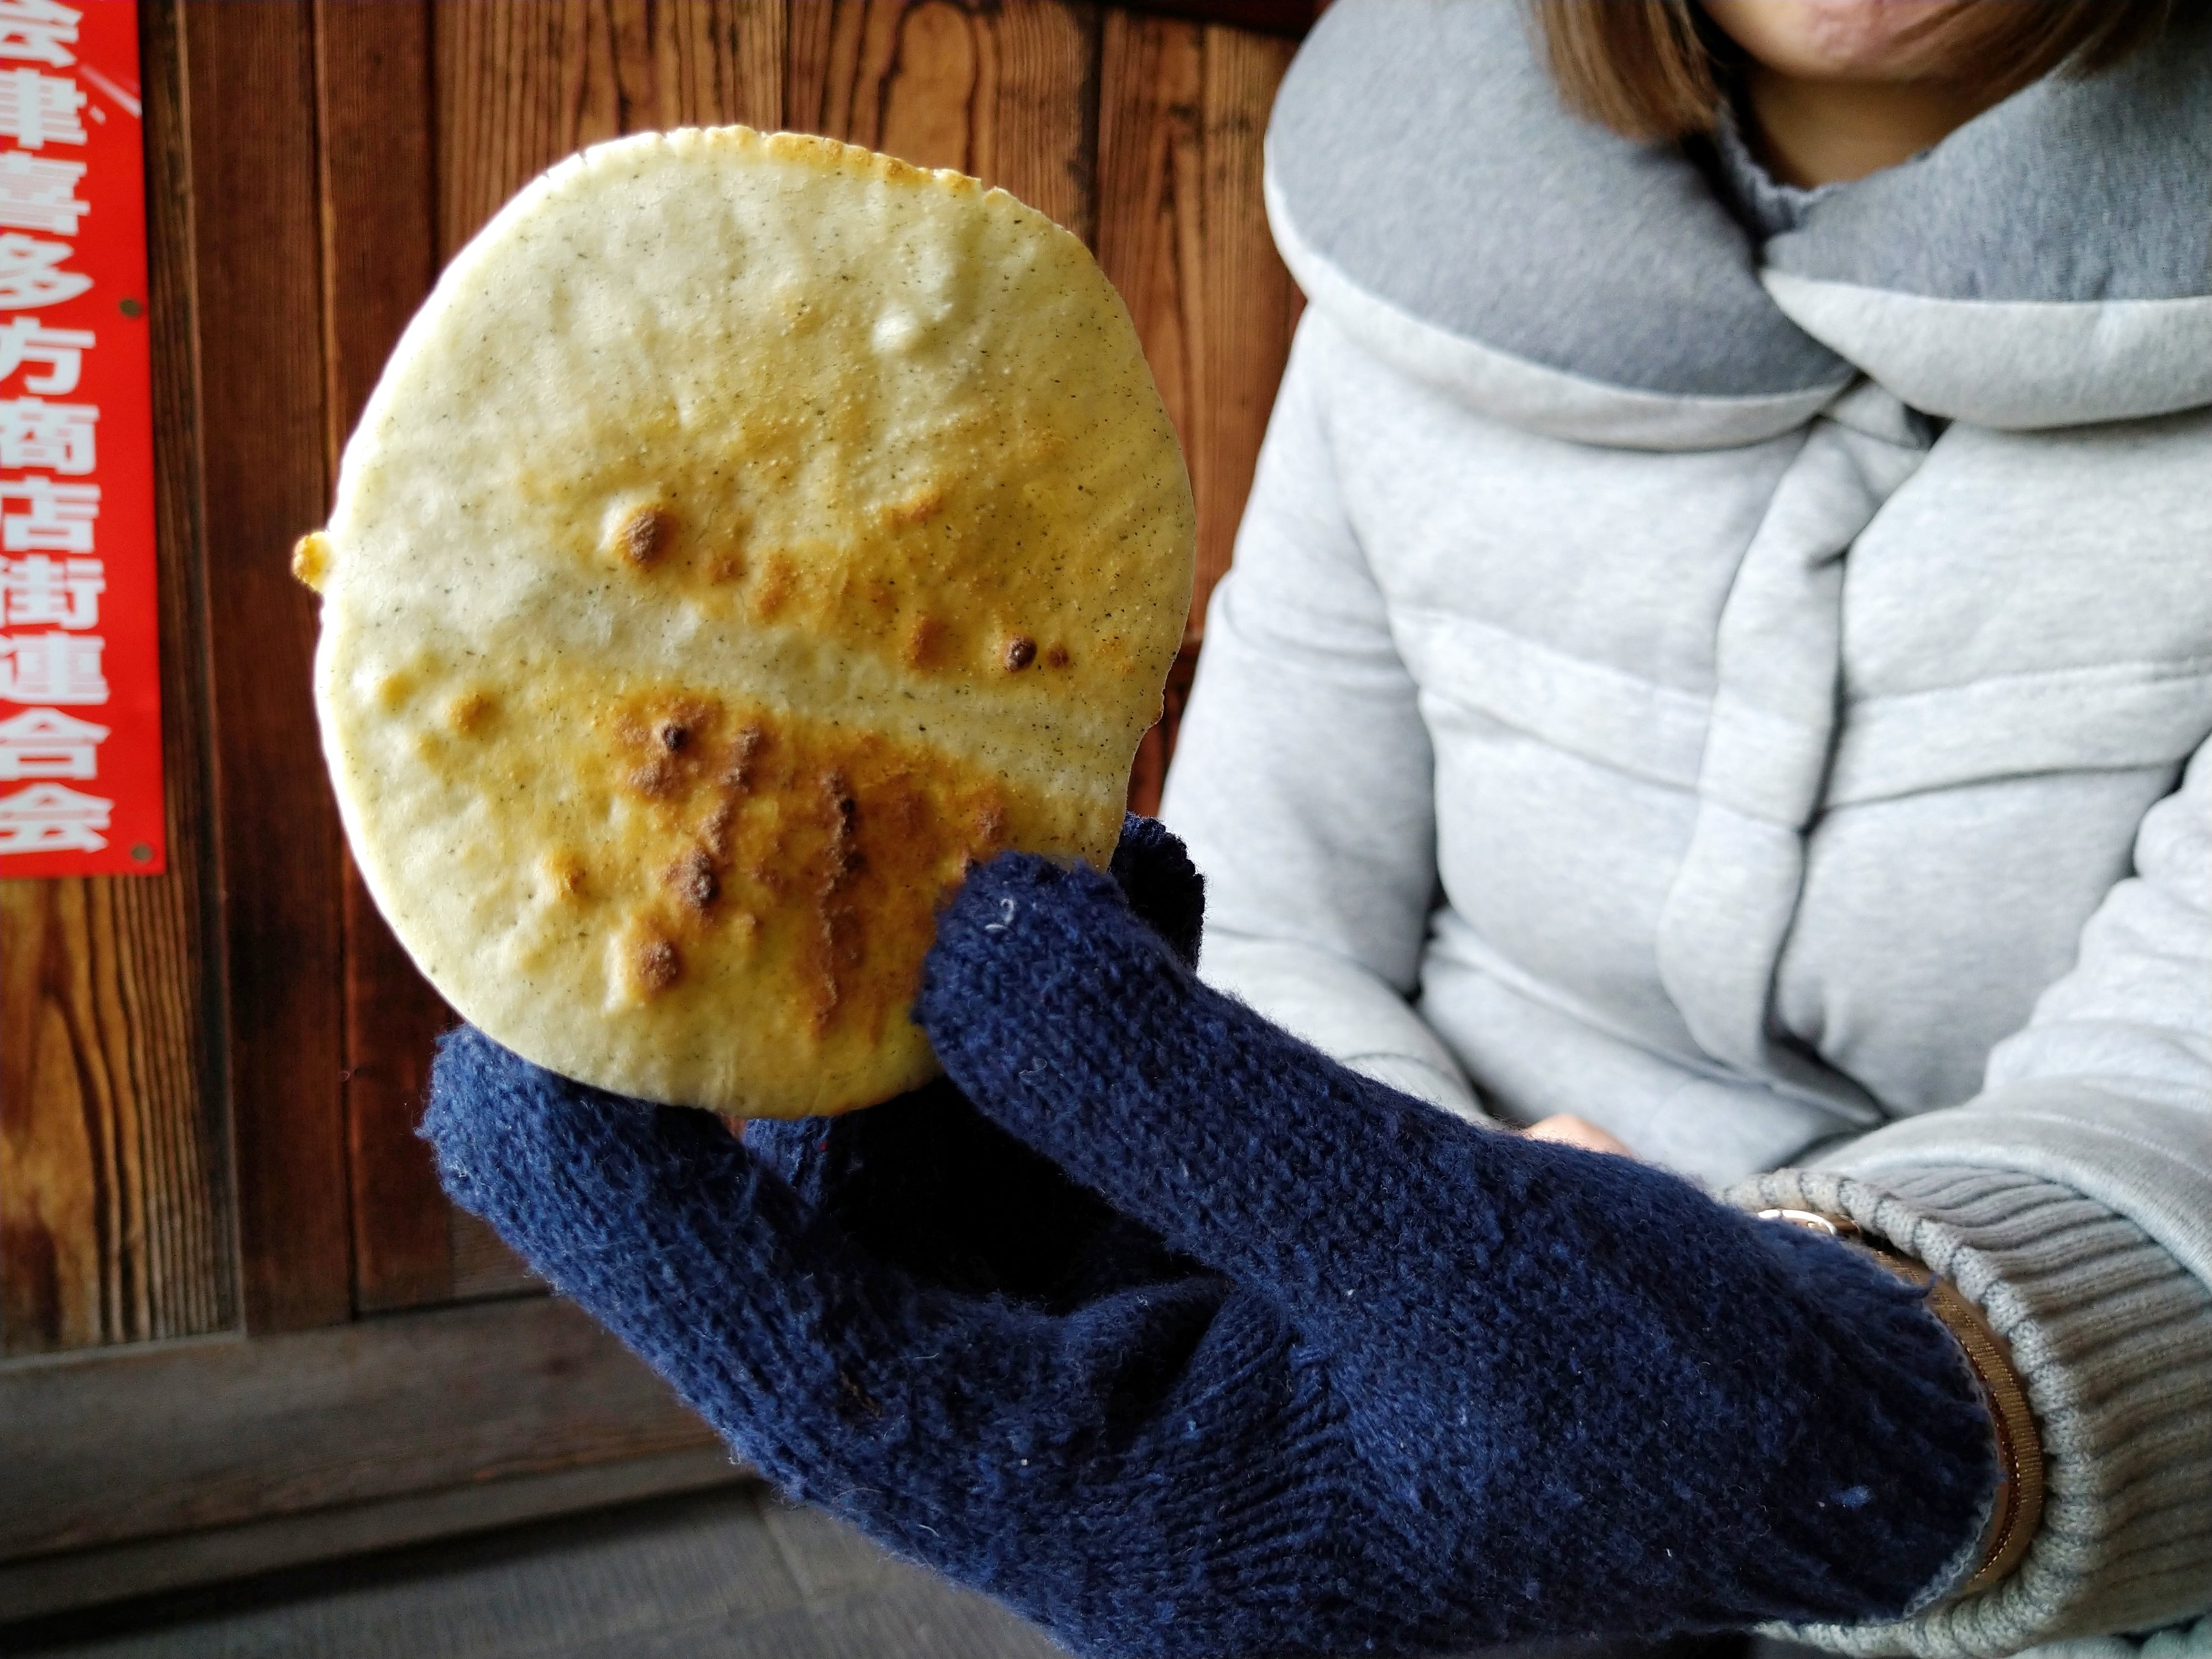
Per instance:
(2049,264)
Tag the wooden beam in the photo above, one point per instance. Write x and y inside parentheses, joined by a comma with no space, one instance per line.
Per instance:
(170,1439)
(49,1584)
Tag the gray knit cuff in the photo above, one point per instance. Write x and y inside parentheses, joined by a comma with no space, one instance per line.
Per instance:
(2113,1341)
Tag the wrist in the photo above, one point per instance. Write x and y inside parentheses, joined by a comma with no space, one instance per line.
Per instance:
(2018,1504)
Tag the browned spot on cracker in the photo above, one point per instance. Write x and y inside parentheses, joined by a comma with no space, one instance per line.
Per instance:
(738,774)
(812,853)
(1021,652)
(773,592)
(666,742)
(657,964)
(643,536)
(923,637)
(311,559)
(838,918)
(658,776)
(693,880)
(989,830)
(844,818)
(1056,657)
(468,712)
(715,833)
(725,568)
(564,874)
(924,504)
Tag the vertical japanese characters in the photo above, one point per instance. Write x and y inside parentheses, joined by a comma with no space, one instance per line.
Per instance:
(77,679)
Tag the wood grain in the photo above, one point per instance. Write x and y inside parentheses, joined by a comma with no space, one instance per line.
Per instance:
(520,83)
(380,256)
(713,62)
(211,1433)
(1183,231)
(1009,94)
(1290,18)
(49,1584)
(112,1178)
(106,1163)
(249,79)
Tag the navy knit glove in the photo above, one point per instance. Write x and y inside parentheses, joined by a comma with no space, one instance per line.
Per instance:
(1433,1386)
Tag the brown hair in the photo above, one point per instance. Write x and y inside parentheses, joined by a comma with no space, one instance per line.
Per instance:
(1656,69)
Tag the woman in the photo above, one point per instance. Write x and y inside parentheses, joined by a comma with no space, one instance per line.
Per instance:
(1751,595)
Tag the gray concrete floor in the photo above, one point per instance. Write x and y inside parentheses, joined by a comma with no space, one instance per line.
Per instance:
(726,1574)
(732,1574)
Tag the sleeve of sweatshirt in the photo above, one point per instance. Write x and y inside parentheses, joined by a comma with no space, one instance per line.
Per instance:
(1302,781)
(2072,1200)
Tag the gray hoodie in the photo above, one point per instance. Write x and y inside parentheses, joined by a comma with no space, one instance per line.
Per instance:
(1737,666)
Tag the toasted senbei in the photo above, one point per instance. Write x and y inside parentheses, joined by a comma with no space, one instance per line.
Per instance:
(748,532)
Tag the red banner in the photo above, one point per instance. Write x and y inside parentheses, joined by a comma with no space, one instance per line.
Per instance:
(80,682)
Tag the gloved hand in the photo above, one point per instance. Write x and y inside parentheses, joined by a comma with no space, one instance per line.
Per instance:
(1432,1387)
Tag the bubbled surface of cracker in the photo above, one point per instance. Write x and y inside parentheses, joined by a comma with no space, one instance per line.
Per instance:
(749,531)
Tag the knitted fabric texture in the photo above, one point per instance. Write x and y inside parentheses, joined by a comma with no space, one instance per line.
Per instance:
(1193,1342)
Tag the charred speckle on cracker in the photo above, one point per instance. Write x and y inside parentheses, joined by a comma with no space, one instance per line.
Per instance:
(1021,652)
(845,860)
(643,536)
(656,777)
(693,878)
(674,734)
(739,775)
(658,964)
(715,833)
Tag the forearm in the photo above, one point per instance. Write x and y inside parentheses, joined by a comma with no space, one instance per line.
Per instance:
(2111,1334)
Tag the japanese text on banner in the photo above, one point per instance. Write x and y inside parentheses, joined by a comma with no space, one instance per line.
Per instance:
(80,711)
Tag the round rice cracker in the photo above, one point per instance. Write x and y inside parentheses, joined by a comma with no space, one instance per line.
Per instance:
(750,532)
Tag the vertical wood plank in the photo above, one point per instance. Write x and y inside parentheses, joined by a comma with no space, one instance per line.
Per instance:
(721,61)
(114,1221)
(1182,233)
(250,81)
(1009,94)
(110,1180)
(520,83)
(379,202)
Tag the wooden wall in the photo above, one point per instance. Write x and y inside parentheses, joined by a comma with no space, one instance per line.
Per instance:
(209,1079)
